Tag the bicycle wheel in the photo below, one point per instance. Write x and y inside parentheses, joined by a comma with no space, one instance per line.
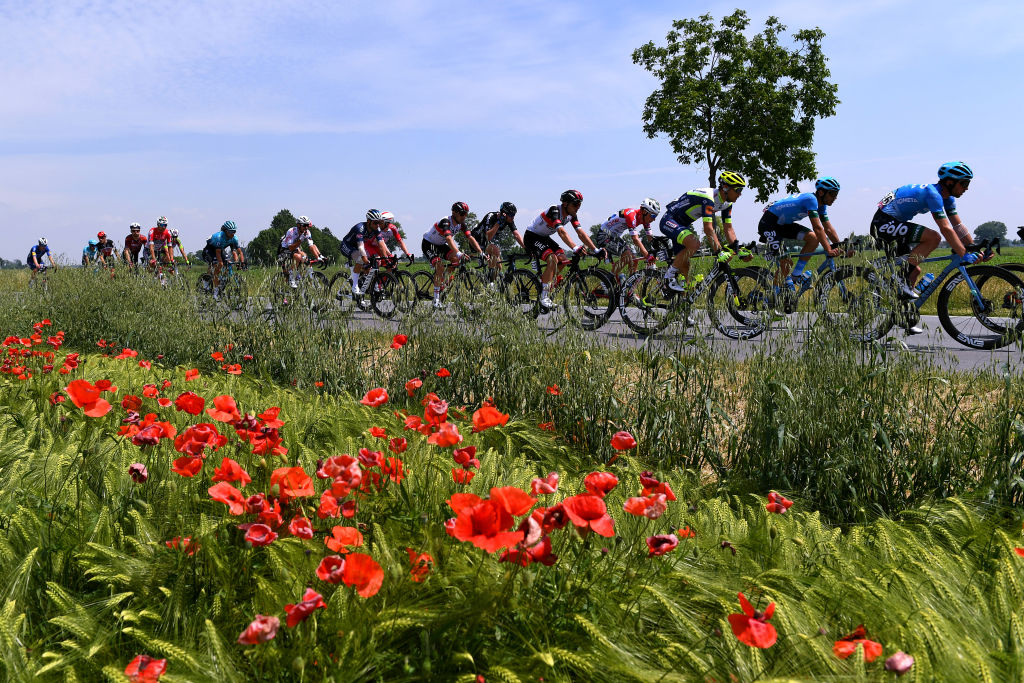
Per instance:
(522,292)
(740,308)
(405,296)
(858,299)
(236,292)
(466,294)
(339,294)
(989,319)
(643,303)
(204,286)
(588,297)
(423,287)
(383,289)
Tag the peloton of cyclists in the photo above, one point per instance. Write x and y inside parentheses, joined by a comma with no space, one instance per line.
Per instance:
(290,254)
(486,233)
(213,253)
(612,236)
(539,243)
(439,245)
(134,243)
(359,241)
(35,256)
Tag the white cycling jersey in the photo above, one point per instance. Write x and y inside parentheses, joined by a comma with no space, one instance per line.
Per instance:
(293,236)
(625,221)
(548,223)
(442,229)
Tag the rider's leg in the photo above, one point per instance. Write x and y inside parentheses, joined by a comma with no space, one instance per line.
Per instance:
(493,261)
(929,241)
(357,270)
(810,244)
(690,246)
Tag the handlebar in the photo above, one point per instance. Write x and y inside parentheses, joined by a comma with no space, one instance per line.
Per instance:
(986,248)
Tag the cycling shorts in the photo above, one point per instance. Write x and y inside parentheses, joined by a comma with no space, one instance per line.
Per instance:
(209,254)
(771,232)
(896,237)
(541,246)
(615,246)
(435,251)
(675,232)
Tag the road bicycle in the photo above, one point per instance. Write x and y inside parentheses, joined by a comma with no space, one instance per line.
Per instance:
(586,295)
(303,289)
(980,306)
(232,291)
(385,289)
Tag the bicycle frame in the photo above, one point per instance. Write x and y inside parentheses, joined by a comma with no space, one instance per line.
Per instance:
(940,279)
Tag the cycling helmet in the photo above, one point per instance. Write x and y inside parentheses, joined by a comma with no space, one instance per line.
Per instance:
(508,208)
(373,215)
(651,206)
(303,222)
(460,208)
(827,183)
(42,241)
(101,235)
(174,232)
(732,178)
(387,216)
(229,226)
(93,242)
(135,226)
(161,222)
(955,170)
(572,197)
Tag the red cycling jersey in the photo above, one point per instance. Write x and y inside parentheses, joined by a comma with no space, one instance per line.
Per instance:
(160,237)
(134,243)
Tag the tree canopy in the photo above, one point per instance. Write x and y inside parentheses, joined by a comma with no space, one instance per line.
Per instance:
(730,102)
(263,248)
(990,229)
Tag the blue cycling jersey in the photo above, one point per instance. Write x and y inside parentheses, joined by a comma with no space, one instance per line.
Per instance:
(798,206)
(905,202)
(358,234)
(220,240)
(90,250)
(39,252)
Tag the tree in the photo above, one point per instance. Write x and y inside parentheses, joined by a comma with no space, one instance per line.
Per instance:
(460,240)
(729,102)
(263,248)
(990,229)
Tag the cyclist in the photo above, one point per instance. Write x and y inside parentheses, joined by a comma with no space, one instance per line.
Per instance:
(160,244)
(538,239)
(91,251)
(213,252)
(892,227)
(36,254)
(702,203)
(105,251)
(779,222)
(486,234)
(387,238)
(439,245)
(290,254)
(176,242)
(133,244)
(360,241)
(612,235)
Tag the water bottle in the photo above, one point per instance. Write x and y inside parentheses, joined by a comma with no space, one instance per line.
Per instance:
(807,276)
(925,281)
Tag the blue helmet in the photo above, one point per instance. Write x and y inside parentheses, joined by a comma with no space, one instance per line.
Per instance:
(827,183)
(955,170)
(229,226)
(94,242)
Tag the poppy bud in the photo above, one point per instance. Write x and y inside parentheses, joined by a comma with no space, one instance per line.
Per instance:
(693,508)
(299,664)
(899,663)
(822,631)
(772,533)
(718,632)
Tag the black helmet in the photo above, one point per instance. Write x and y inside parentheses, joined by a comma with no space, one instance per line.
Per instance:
(572,197)
(508,208)
(460,208)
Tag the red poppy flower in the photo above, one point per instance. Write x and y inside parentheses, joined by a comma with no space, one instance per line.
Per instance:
(443,372)
(224,492)
(546,426)
(328,506)
(375,397)
(778,503)
(87,397)
(331,569)
(126,353)
(261,630)
(344,537)
(623,441)
(513,500)
(847,645)
(185,544)
(131,402)
(300,528)
(260,535)
(395,469)
(349,509)
(461,476)
(488,416)
(311,600)
(187,466)
(235,369)
(420,565)
(230,470)
(685,532)
(752,628)
(651,485)
(554,390)
(524,556)
(138,472)
(1019,551)
(370,459)
(548,484)
(271,515)
(145,669)
(57,397)
(413,422)
(651,507)
(224,409)
(589,512)
(397,446)
(399,341)
(466,457)
(600,483)
(659,544)
(363,572)
(145,364)
(447,436)
(292,482)
(378,432)
(412,385)
(163,402)
(150,390)
(151,434)
(217,356)
(485,525)
(197,438)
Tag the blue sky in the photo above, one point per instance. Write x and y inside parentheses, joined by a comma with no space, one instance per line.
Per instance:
(120,111)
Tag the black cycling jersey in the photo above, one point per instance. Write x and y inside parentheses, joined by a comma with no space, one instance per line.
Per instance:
(489,221)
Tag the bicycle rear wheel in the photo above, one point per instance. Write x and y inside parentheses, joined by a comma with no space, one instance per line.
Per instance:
(236,292)
(405,288)
(589,297)
(522,292)
(740,308)
(466,293)
(643,303)
(989,320)
(387,294)
(423,287)
(859,300)
(339,295)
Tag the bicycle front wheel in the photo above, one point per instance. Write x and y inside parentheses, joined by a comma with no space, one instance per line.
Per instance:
(859,300)
(387,293)
(339,295)
(589,297)
(643,303)
(740,307)
(522,291)
(987,315)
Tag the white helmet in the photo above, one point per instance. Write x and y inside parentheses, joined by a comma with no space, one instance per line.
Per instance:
(387,216)
(651,206)
(304,222)
(174,232)
(135,226)
(161,222)
(42,241)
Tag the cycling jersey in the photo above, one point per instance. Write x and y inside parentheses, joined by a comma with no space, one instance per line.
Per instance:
(443,229)
(295,237)
(39,251)
(490,220)
(702,203)
(90,251)
(798,206)
(389,235)
(134,243)
(627,220)
(159,237)
(220,240)
(106,248)
(548,223)
(907,201)
(359,233)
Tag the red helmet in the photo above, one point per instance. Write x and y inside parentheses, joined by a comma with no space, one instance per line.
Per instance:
(572,197)
(102,235)
(460,208)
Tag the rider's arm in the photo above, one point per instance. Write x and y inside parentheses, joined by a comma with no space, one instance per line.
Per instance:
(50,256)
(472,242)
(585,238)
(401,244)
(362,251)
(826,235)
(709,230)
(452,245)
(950,234)
(639,244)
(519,238)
